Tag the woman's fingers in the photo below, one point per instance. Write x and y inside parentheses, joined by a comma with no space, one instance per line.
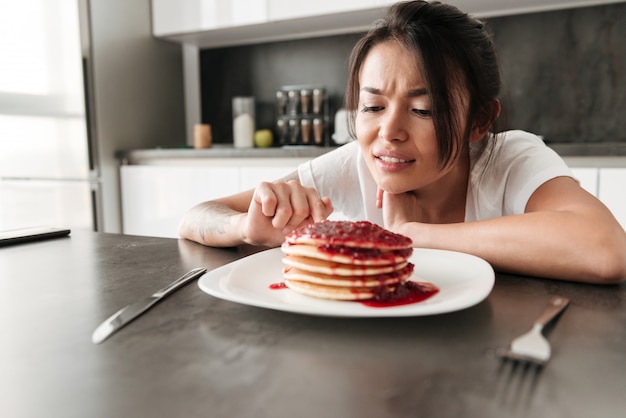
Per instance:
(379,198)
(290,204)
(321,208)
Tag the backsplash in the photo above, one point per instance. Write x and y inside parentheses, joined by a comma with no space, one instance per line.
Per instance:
(564,74)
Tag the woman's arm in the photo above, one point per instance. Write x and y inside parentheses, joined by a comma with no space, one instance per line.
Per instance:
(565,233)
(261,216)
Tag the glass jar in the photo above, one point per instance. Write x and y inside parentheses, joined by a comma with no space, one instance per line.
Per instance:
(243,122)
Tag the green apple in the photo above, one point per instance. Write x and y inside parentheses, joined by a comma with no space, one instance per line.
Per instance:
(263,138)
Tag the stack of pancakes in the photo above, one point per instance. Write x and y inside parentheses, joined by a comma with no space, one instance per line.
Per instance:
(344,260)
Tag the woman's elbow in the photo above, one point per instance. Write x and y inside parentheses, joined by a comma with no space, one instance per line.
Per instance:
(610,267)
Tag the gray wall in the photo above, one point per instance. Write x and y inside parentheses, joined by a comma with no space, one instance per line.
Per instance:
(137,92)
(564,74)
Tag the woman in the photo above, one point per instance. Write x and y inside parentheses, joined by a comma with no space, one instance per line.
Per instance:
(423,86)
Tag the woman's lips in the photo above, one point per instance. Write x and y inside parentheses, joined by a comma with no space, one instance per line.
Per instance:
(393,162)
(386,159)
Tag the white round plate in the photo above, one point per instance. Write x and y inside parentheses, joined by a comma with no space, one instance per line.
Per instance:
(463,281)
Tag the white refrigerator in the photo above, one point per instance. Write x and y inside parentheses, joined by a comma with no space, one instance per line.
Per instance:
(80,80)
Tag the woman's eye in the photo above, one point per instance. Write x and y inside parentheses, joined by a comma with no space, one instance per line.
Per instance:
(422,112)
(369,109)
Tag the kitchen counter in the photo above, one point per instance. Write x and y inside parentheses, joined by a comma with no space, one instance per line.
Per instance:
(194,355)
(591,151)
(219,152)
(602,149)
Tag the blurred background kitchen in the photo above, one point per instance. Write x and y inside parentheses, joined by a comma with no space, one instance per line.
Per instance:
(100,99)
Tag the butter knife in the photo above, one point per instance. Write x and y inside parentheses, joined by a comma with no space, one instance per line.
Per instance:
(125,315)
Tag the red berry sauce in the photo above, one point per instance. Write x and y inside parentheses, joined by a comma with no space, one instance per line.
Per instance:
(362,234)
(407,293)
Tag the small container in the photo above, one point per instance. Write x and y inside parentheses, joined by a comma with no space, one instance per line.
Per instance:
(243,122)
(318,131)
(305,125)
(202,136)
(281,102)
(305,101)
(318,100)
(293,101)
(294,131)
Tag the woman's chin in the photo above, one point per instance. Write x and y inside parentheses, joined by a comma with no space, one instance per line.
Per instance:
(392,188)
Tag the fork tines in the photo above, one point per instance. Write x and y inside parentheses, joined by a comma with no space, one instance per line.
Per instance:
(506,354)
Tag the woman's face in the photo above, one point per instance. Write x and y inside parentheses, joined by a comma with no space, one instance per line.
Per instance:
(393,123)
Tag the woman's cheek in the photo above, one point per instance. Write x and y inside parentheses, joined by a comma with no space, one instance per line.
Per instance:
(363,130)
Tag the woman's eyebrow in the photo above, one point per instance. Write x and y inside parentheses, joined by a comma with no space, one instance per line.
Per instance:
(371,90)
(411,93)
(418,92)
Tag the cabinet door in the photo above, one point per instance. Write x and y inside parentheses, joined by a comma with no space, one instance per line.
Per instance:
(290,9)
(154,198)
(612,191)
(252,176)
(178,17)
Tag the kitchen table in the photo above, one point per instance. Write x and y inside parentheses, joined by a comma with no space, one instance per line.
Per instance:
(194,355)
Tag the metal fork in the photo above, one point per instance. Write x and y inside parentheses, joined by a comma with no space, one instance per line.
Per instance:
(532,347)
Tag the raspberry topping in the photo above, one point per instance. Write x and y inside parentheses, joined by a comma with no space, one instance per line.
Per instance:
(361,234)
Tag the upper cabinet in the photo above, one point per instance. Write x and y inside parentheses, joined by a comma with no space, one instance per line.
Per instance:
(171,17)
(290,9)
(216,23)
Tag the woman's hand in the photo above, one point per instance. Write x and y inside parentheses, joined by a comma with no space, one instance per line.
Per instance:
(278,208)
(398,209)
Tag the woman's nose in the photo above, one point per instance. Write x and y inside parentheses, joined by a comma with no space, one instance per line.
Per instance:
(393,125)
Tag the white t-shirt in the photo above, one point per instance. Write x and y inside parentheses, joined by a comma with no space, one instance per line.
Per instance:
(498,186)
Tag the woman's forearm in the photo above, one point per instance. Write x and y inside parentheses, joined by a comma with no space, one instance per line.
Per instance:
(545,244)
(212,223)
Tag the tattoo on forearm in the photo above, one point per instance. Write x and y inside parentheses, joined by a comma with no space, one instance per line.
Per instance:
(212,218)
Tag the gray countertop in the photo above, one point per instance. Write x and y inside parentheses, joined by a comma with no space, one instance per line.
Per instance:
(194,355)
(612,149)
(137,156)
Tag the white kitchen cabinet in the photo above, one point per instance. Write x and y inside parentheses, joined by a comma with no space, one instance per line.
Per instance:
(250,177)
(612,191)
(293,9)
(217,23)
(189,16)
(605,179)
(154,198)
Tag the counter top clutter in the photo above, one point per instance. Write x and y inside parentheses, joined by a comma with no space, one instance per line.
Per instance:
(197,355)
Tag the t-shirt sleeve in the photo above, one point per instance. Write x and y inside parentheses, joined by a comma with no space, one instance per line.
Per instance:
(334,174)
(530,164)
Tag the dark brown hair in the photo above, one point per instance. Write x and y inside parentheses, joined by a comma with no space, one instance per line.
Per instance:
(455,54)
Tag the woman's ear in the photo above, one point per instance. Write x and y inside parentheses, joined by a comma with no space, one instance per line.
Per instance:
(487,117)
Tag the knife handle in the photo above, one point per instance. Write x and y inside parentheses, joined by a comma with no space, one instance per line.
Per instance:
(190,275)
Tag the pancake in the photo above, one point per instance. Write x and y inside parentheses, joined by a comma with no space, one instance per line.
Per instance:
(348,255)
(343,260)
(338,269)
(362,234)
(332,292)
(376,280)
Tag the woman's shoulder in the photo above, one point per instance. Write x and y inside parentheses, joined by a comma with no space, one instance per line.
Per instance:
(514,144)
(508,148)
(520,138)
